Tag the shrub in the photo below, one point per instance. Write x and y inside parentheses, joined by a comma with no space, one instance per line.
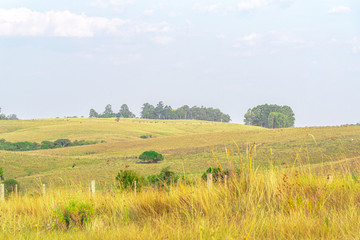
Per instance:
(10,185)
(151,156)
(75,214)
(47,145)
(62,143)
(217,174)
(1,174)
(165,177)
(29,146)
(126,179)
(146,136)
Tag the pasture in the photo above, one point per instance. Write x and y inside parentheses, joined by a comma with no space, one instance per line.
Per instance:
(296,183)
(188,146)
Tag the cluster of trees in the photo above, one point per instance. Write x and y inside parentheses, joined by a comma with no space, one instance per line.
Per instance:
(124,112)
(9,117)
(162,111)
(270,116)
(30,146)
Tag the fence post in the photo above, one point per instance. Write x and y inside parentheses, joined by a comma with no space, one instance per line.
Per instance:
(135,187)
(209,180)
(330,178)
(43,190)
(2,192)
(225,180)
(92,188)
(16,189)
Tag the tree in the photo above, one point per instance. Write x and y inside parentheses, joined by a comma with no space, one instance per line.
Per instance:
(125,112)
(159,110)
(62,143)
(93,114)
(108,112)
(47,145)
(270,116)
(168,113)
(2,116)
(225,118)
(182,112)
(12,117)
(151,156)
(147,111)
(278,120)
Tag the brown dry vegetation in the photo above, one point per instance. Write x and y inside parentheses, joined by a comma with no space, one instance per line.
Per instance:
(273,204)
(283,191)
(187,146)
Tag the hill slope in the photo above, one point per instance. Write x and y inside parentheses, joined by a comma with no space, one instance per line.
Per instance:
(187,146)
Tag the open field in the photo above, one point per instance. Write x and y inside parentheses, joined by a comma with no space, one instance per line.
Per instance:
(187,146)
(285,195)
(274,204)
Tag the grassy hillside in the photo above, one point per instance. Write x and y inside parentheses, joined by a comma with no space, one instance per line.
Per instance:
(273,200)
(187,146)
(106,129)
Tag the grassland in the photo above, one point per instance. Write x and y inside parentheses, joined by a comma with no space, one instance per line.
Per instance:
(188,147)
(273,204)
(285,195)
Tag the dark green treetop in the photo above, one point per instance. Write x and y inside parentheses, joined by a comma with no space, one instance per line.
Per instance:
(270,116)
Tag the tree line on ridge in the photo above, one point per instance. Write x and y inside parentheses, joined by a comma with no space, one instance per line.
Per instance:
(161,111)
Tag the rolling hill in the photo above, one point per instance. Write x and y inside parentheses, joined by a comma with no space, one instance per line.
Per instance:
(187,145)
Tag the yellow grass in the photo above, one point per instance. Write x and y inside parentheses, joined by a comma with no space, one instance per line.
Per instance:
(267,205)
(267,201)
(186,144)
(106,129)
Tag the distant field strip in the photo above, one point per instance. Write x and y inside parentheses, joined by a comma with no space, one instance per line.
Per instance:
(186,144)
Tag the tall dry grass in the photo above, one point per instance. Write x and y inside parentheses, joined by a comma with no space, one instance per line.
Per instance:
(287,203)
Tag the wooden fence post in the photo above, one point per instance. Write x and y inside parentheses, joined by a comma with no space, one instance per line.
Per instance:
(2,192)
(16,189)
(92,188)
(209,180)
(135,187)
(43,190)
(329,178)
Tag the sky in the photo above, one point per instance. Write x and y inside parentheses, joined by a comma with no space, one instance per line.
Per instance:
(61,58)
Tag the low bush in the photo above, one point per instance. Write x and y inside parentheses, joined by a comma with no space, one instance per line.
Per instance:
(151,156)
(74,215)
(30,146)
(217,174)
(146,136)
(9,185)
(126,179)
(164,177)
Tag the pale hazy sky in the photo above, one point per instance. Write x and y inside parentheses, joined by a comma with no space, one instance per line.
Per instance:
(61,58)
